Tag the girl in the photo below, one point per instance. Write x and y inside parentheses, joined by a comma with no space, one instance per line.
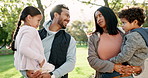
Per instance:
(29,52)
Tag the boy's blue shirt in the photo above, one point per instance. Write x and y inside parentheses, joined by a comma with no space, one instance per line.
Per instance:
(143,32)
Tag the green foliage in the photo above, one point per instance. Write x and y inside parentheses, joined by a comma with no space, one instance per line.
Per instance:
(116,5)
(80,30)
(146,21)
(81,46)
(4,35)
(9,12)
(77,31)
(89,26)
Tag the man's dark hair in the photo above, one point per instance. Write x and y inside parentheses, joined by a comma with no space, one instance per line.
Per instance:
(111,21)
(57,9)
(132,14)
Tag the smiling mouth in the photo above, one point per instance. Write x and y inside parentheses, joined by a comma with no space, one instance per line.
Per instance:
(66,22)
(100,22)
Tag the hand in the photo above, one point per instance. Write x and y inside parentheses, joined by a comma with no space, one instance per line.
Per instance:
(122,69)
(45,75)
(137,69)
(132,69)
(32,74)
(42,63)
(126,71)
(119,68)
(129,70)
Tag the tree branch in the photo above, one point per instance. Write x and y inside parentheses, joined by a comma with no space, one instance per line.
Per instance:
(88,2)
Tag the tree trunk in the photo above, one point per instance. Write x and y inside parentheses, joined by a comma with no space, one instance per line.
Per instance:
(40,6)
(106,3)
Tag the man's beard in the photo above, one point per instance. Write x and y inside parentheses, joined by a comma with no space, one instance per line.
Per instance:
(62,26)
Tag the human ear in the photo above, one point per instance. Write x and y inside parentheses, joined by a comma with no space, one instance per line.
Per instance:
(135,22)
(29,17)
(56,14)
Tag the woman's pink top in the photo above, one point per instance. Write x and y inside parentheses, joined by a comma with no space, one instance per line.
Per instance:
(109,45)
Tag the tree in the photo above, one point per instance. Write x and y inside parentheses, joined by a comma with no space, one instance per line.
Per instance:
(90,27)
(42,8)
(117,5)
(78,32)
(3,37)
(9,12)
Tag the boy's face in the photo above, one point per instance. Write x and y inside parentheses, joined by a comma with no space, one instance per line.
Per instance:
(126,26)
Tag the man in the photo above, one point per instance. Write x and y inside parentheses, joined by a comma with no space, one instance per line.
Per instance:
(59,47)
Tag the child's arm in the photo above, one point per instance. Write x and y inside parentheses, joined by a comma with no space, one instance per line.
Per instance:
(131,44)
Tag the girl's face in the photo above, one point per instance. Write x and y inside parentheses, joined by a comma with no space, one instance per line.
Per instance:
(100,19)
(34,21)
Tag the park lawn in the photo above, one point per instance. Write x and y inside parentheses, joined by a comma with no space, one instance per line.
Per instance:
(7,69)
(82,68)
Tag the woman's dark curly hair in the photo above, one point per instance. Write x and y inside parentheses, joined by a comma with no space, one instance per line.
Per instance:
(132,14)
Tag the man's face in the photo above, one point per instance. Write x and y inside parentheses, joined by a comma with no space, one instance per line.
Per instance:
(64,18)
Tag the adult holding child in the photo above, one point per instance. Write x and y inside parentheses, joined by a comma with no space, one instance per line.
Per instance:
(29,52)
(59,46)
(105,43)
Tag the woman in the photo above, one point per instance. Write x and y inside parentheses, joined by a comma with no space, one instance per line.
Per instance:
(105,43)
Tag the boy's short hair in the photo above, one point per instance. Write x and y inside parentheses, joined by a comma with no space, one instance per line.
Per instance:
(131,14)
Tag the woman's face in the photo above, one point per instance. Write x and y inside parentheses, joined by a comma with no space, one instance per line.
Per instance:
(100,19)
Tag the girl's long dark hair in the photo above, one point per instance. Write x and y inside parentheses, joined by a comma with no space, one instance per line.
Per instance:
(30,10)
(111,21)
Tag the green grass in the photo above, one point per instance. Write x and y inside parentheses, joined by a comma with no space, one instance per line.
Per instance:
(7,69)
(82,68)
(5,51)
